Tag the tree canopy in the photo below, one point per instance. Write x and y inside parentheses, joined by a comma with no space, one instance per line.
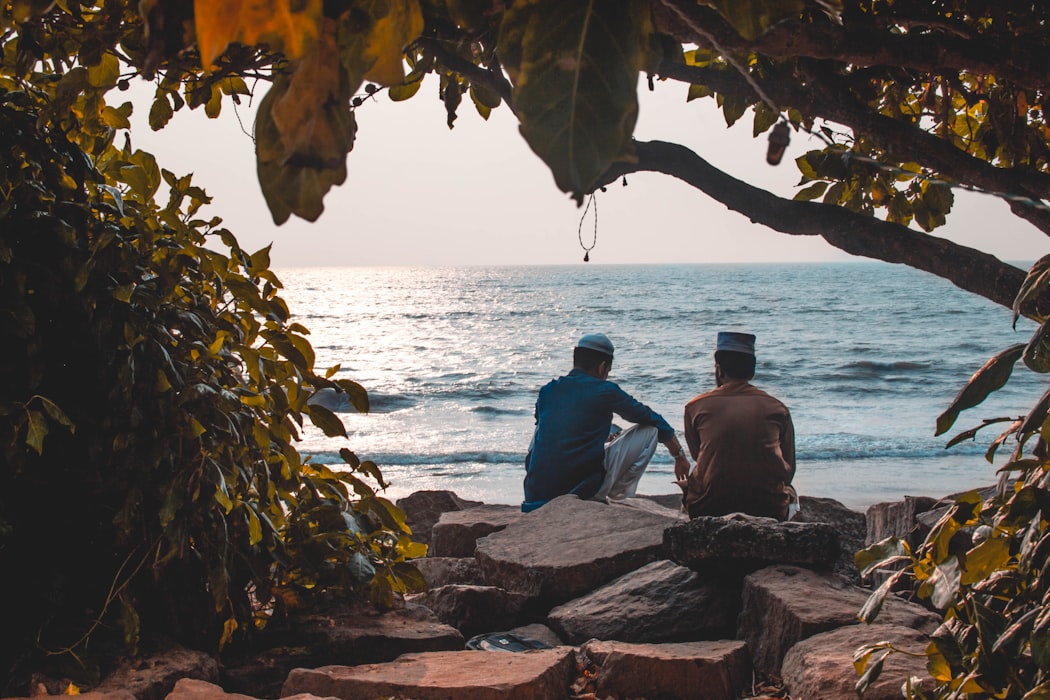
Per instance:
(912,100)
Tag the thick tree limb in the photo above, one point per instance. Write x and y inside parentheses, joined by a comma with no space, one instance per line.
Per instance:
(967,268)
(1020,60)
(904,140)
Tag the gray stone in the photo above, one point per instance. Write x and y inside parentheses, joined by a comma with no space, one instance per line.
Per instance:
(542,674)
(570,547)
(747,543)
(153,677)
(822,665)
(424,508)
(782,605)
(660,602)
(896,519)
(474,609)
(441,571)
(715,670)
(850,525)
(456,532)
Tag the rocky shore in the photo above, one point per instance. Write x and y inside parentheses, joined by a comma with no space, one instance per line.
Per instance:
(625,600)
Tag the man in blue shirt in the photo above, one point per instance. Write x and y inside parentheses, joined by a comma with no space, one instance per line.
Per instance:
(574,450)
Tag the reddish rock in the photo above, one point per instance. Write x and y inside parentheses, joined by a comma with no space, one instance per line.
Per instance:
(718,670)
(424,508)
(850,525)
(782,605)
(541,633)
(90,695)
(660,602)
(456,532)
(543,674)
(153,677)
(190,689)
(570,547)
(896,519)
(473,609)
(822,665)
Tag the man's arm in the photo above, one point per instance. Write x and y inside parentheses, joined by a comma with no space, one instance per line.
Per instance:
(787,445)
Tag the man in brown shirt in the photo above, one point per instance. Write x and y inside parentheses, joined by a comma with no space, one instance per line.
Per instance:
(742,439)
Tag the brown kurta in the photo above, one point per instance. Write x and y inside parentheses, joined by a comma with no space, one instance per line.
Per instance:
(743,442)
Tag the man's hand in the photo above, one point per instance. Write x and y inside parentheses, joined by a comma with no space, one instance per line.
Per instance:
(681,466)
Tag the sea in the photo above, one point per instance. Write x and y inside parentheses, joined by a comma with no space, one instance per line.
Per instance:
(865,355)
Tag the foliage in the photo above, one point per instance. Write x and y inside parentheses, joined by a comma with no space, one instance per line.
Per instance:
(151,394)
(984,565)
(912,100)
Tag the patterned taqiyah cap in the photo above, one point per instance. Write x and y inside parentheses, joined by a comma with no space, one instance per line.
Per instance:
(736,342)
(596,341)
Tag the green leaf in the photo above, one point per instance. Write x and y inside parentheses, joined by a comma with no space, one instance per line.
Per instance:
(1037,352)
(574,67)
(872,671)
(36,431)
(945,583)
(989,378)
(1034,285)
(356,393)
(753,18)
(327,421)
(873,605)
(812,192)
(986,558)
(160,112)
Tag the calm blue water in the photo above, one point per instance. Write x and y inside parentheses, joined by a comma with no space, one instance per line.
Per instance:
(866,355)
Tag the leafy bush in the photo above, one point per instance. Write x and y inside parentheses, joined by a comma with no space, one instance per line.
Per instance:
(151,392)
(986,563)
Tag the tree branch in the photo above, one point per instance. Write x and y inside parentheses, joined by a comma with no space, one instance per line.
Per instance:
(967,268)
(1019,60)
(905,140)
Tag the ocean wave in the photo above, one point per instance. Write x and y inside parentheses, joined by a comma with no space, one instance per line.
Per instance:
(339,401)
(847,446)
(424,459)
(872,366)
(497,411)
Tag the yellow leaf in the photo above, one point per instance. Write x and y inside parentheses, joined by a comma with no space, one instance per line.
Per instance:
(307,128)
(71,690)
(275,23)
(391,33)
(162,384)
(197,428)
(228,628)
(217,23)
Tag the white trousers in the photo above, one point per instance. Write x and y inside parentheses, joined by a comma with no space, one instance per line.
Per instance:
(626,458)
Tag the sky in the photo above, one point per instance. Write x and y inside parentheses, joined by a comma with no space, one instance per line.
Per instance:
(420,194)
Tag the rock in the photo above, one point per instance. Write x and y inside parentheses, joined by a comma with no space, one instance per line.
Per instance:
(782,605)
(667,500)
(442,571)
(90,695)
(541,633)
(473,609)
(895,519)
(822,665)
(850,525)
(344,634)
(570,547)
(717,670)
(424,508)
(154,676)
(456,532)
(463,675)
(190,689)
(747,543)
(660,602)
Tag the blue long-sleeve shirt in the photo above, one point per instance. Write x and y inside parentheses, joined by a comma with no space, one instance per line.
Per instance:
(573,417)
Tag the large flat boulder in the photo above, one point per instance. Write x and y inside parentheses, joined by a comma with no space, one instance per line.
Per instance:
(570,547)
(193,689)
(424,508)
(782,605)
(715,670)
(456,532)
(344,634)
(543,674)
(745,543)
(822,665)
(474,609)
(660,602)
